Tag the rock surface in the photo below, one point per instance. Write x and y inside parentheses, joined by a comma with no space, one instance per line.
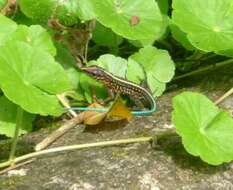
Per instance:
(139,166)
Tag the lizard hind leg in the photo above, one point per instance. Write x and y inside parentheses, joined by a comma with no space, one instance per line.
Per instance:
(139,104)
(111,97)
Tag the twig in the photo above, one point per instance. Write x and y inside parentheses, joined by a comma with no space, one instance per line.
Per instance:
(17,166)
(59,132)
(220,64)
(66,104)
(224,96)
(63,129)
(76,147)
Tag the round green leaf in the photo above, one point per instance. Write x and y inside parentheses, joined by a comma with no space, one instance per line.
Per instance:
(65,58)
(132,19)
(91,87)
(206,130)
(36,36)
(113,64)
(208,23)
(157,88)
(39,10)
(157,62)
(135,72)
(67,12)
(85,10)
(158,66)
(181,37)
(73,75)
(30,78)
(164,6)
(7,27)
(105,37)
(226,52)
(8,112)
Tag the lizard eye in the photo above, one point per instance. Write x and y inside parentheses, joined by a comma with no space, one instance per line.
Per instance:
(97,72)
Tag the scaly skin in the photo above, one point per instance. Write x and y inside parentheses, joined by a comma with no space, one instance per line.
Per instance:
(119,85)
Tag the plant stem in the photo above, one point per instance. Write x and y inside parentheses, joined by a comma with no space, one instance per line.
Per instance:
(220,64)
(224,96)
(75,147)
(19,119)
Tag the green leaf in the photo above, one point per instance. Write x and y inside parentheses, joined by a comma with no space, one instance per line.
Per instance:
(181,37)
(31,78)
(2,3)
(36,36)
(150,41)
(67,12)
(21,18)
(120,15)
(157,88)
(164,29)
(208,23)
(206,130)
(73,75)
(164,6)
(113,64)
(105,37)
(85,10)
(92,87)
(226,52)
(64,56)
(135,72)
(8,112)
(7,27)
(158,66)
(39,10)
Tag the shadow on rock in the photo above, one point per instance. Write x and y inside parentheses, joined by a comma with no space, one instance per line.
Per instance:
(173,147)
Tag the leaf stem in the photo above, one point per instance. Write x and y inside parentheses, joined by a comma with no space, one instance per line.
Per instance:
(19,120)
(220,64)
(224,96)
(75,147)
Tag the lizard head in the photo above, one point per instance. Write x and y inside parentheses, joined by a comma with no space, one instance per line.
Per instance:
(94,71)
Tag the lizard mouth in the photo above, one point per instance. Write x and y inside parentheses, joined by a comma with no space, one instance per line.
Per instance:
(87,69)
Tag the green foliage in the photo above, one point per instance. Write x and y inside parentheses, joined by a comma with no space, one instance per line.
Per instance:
(158,66)
(181,37)
(118,15)
(8,116)
(2,3)
(105,37)
(7,27)
(35,36)
(38,10)
(85,11)
(147,45)
(135,71)
(208,24)
(29,75)
(34,75)
(206,130)
(67,12)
